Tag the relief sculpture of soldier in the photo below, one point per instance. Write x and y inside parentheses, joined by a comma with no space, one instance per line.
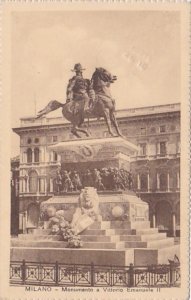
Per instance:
(103,179)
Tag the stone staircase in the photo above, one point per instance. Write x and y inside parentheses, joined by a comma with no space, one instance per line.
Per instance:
(102,235)
(104,243)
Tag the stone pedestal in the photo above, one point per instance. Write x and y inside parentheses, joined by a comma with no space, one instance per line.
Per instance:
(95,153)
(122,235)
(113,205)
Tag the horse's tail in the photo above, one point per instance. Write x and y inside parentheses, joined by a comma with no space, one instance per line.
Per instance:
(52,105)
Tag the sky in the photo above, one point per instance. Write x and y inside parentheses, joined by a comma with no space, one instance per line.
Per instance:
(141,48)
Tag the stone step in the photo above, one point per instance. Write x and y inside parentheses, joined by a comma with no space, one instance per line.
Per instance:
(140,224)
(98,232)
(148,256)
(124,231)
(100,238)
(135,244)
(163,243)
(103,245)
(38,243)
(35,237)
(100,225)
(118,257)
(146,231)
(62,244)
(143,238)
(39,231)
(129,225)
(150,244)
(153,236)
(129,238)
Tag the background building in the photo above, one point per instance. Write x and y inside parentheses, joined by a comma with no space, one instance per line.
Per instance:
(15,195)
(156,168)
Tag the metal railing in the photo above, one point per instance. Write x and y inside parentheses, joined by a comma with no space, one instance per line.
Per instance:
(59,274)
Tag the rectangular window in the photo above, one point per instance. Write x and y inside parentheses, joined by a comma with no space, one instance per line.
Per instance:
(54,138)
(41,185)
(162,128)
(143,130)
(143,149)
(162,148)
(55,156)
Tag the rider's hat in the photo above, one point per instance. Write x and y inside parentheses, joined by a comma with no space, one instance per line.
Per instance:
(77,67)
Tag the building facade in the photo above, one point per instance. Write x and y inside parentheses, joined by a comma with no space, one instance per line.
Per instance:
(155,169)
(15,162)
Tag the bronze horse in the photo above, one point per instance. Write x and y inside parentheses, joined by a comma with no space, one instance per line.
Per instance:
(103,105)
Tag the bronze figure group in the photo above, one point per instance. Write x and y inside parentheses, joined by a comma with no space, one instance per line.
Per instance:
(102,179)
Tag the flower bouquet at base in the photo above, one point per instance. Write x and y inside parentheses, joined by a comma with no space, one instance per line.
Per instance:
(74,242)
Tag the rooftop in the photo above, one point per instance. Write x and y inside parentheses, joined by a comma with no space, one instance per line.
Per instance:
(122,113)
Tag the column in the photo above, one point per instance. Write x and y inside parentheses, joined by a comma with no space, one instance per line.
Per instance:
(25,222)
(23,157)
(27,184)
(148,182)
(45,185)
(32,155)
(59,158)
(168,182)
(178,180)
(38,185)
(51,185)
(17,187)
(154,220)
(21,185)
(43,154)
(52,156)
(158,182)
(42,185)
(138,182)
(24,185)
(157,148)
(173,224)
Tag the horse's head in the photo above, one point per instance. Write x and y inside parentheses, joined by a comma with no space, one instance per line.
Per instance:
(104,75)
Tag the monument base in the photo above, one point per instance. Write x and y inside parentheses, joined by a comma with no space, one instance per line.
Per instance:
(121,236)
(104,243)
(113,205)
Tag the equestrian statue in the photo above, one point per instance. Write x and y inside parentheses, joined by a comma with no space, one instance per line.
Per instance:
(86,99)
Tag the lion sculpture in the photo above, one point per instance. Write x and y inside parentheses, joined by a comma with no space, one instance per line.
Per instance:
(88,210)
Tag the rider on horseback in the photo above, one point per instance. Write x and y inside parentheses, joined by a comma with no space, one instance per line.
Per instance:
(83,95)
(79,89)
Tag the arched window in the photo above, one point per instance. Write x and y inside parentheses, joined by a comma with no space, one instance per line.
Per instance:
(163,181)
(143,182)
(29,155)
(36,155)
(33,182)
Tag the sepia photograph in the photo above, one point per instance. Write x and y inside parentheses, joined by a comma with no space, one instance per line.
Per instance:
(96,106)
